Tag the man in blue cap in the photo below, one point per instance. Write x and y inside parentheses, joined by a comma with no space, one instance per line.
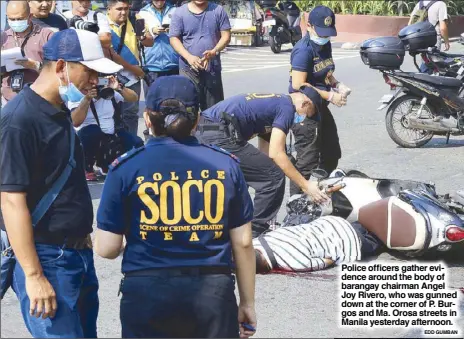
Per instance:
(231,123)
(184,209)
(46,204)
(316,140)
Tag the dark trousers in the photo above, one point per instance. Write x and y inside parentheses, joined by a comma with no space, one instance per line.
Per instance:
(91,137)
(167,305)
(260,172)
(316,145)
(151,76)
(209,86)
(370,243)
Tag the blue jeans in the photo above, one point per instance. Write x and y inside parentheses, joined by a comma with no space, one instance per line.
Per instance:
(72,275)
(183,306)
(91,136)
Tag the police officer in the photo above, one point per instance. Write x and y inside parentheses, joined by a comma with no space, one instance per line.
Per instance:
(230,124)
(316,139)
(183,209)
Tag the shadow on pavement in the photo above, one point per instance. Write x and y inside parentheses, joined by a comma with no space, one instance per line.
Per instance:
(441,143)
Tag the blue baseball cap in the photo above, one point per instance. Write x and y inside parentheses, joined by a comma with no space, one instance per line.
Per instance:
(174,87)
(79,46)
(323,20)
(314,96)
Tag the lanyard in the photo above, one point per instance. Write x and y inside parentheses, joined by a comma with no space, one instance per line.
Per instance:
(25,40)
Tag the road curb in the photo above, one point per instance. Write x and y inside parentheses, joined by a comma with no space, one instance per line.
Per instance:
(356,45)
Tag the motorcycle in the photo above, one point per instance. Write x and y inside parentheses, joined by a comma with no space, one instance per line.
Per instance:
(440,63)
(407,216)
(283,22)
(423,105)
(430,106)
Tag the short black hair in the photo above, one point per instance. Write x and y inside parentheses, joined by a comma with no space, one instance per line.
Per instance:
(262,267)
(111,3)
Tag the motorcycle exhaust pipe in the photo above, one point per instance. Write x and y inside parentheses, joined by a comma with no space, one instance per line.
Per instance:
(429,125)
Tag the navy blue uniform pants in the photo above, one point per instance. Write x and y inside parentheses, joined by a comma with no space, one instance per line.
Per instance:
(317,146)
(260,172)
(171,304)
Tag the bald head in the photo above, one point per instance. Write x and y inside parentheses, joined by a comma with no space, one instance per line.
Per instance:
(18,10)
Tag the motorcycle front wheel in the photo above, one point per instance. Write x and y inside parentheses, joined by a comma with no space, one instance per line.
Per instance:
(395,121)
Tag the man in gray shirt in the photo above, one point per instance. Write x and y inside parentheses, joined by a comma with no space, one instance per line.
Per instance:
(199,31)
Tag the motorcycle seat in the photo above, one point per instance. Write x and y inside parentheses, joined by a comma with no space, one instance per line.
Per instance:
(435,80)
(395,223)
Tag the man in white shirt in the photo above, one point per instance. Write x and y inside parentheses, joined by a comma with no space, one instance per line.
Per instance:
(437,16)
(314,246)
(107,110)
(81,8)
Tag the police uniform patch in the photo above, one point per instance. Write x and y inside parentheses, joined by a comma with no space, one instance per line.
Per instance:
(219,149)
(328,21)
(123,158)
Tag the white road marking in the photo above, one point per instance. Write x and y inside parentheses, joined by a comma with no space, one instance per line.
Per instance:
(234,65)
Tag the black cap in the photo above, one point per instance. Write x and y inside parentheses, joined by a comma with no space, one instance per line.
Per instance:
(323,20)
(314,95)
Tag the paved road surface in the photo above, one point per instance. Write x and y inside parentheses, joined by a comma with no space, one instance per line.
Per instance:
(306,306)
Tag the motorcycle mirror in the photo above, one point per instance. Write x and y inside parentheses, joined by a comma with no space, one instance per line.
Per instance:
(319,173)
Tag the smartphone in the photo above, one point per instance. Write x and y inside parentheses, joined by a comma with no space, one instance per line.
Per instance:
(139,27)
(165,26)
(103,82)
(249,327)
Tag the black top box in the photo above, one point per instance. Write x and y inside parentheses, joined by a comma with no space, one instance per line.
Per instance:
(421,35)
(383,52)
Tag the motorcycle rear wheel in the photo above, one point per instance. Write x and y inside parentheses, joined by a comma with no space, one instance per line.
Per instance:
(423,136)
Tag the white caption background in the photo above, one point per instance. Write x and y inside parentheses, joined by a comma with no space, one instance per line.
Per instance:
(385,295)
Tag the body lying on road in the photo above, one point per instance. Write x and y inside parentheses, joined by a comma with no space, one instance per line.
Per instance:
(314,246)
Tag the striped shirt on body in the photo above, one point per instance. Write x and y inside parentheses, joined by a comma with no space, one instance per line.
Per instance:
(303,247)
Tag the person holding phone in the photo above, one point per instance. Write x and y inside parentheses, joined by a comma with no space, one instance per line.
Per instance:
(161,59)
(128,35)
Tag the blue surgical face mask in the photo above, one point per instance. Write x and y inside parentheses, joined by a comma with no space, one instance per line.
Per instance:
(298,118)
(18,26)
(70,92)
(320,41)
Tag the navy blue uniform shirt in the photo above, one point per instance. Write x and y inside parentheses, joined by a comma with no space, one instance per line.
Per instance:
(313,59)
(255,113)
(176,203)
(34,152)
